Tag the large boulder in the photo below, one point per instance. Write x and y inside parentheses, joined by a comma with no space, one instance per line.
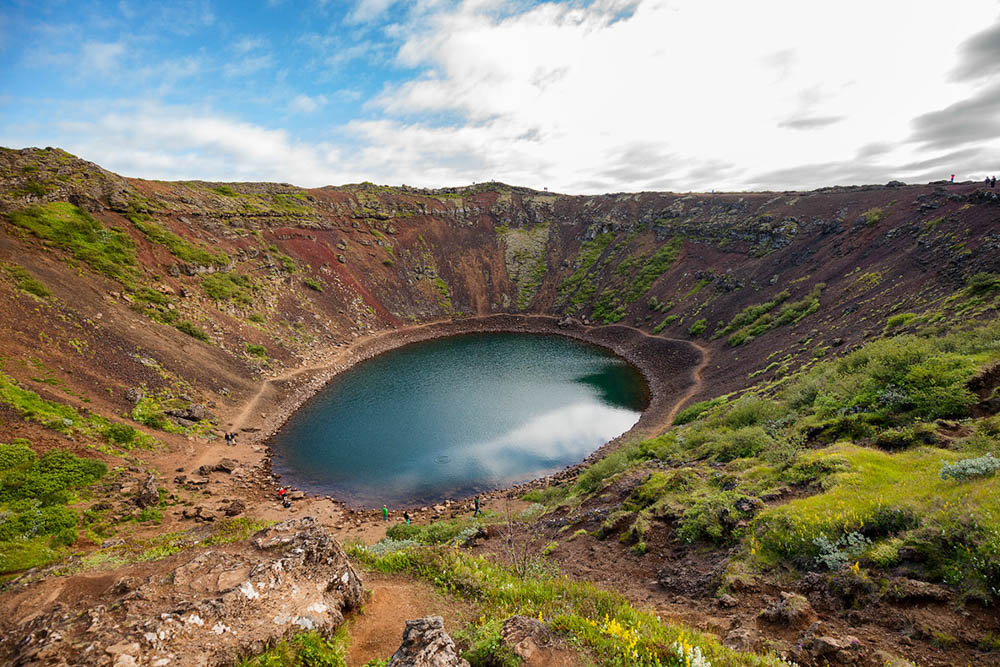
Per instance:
(426,644)
(201,607)
(149,494)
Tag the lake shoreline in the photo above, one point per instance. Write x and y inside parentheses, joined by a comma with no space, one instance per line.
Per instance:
(667,365)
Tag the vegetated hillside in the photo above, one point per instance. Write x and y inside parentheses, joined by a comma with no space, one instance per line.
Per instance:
(142,312)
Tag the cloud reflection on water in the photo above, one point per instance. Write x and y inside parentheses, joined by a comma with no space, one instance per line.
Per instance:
(569,432)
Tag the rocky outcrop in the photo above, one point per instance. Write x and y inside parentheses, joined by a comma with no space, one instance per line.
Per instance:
(212,607)
(535,644)
(149,494)
(791,609)
(426,644)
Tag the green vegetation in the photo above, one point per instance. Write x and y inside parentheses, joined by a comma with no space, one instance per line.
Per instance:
(312,284)
(110,252)
(306,649)
(34,493)
(896,321)
(524,256)
(225,191)
(611,304)
(65,419)
(293,204)
(872,217)
(192,330)
(698,327)
(590,252)
(236,530)
(438,532)
(692,412)
(445,294)
(667,321)
(229,286)
(139,550)
(751,314)
(288,264)
(858,435)
(607,308)
(653,268)
(37,189)
(611,630)
(755,321)
(983,283)
(256,350)
(869,279)
(179,247)
(25,281)
(151,411)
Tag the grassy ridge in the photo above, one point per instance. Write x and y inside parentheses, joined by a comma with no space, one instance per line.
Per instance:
(857,434)
(611,630)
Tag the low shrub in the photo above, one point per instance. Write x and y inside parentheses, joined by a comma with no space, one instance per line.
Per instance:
(715,517)
(960,471)
(983,283)
(695,410)
(593,478)
(438,532)
(256,350)
(919,433)
(34,520)
(899,320)
(190,329)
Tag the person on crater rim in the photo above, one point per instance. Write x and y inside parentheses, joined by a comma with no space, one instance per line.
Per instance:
(385,513)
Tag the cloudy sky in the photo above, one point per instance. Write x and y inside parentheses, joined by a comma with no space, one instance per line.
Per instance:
(577,96)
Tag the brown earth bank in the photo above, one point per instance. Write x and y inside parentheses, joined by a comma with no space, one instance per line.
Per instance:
(232,304)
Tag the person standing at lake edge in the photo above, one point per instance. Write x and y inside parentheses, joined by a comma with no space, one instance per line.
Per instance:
(406,518)
(476,513)
(385,513)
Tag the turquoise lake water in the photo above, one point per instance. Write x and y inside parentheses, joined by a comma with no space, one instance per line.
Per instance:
(455,416)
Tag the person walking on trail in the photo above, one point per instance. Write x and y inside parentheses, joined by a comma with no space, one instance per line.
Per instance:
(953,178)
(993,182)
(385,513)
(476,512)
(406,518)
